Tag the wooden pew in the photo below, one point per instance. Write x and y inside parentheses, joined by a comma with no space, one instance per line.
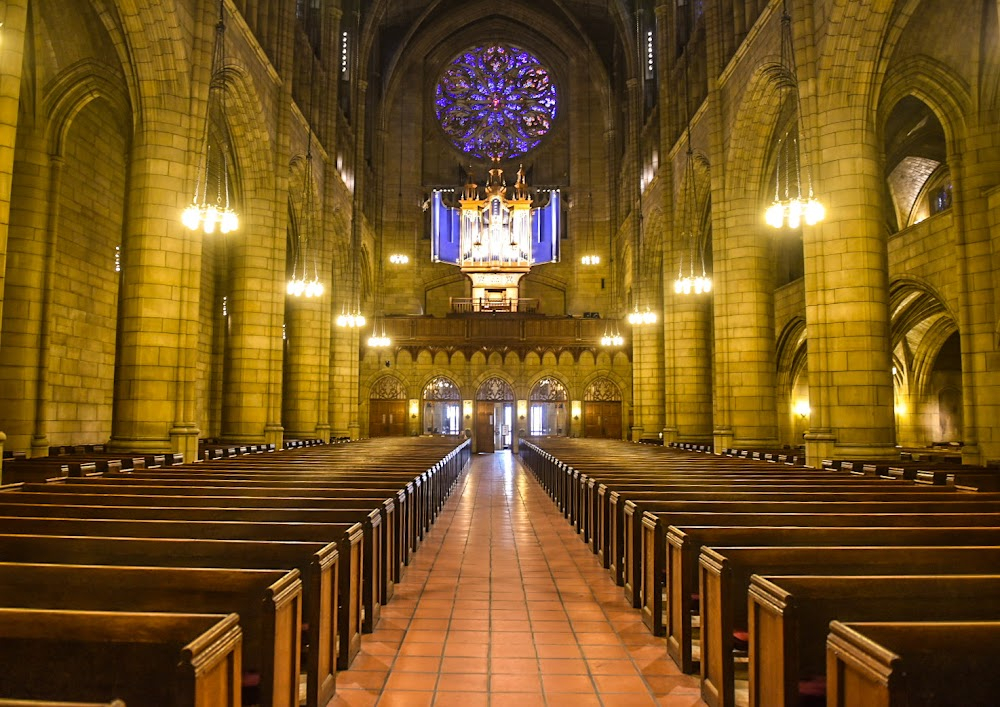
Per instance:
(917,664)
(182,660)
(43,494)
(649,572)
(373,562)
(403,495)
(645,522)
(268,603)
(317,562)
(790,618)
(276,496)
(685,542)
(725,579)
(348,537)
(609,506)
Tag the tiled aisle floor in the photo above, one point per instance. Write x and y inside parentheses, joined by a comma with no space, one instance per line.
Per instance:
(505,605)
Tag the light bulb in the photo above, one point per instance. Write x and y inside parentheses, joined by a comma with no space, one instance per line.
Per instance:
(230,221)
(359,320)
(708,284)
(795,213)
(775,215)
(191,217)
(814,211)
(320,289)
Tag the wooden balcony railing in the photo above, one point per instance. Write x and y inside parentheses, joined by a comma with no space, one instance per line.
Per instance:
(469,305)
(505,331)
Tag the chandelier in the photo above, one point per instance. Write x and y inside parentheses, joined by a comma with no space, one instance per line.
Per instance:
(612,338)
(305,274)
(399,259)
(691,283)
(351,320)
(590,256)
(379,338)
(305,262)
(637,318)
(791,205)
(210,209)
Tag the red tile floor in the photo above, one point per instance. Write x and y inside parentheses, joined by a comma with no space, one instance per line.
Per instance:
(503,604)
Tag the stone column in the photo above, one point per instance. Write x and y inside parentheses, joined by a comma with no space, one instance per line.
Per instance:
(27,294)
(846,285)
(154,378)
(976,207)
(11,62)
(305,375)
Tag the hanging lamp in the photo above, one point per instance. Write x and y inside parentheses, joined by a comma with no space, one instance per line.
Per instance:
(690,283)
(791,205)
(210,209)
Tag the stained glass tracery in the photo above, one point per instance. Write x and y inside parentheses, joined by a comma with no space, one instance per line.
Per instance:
(496,101)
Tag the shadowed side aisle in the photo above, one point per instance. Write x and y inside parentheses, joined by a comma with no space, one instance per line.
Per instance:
(505,605)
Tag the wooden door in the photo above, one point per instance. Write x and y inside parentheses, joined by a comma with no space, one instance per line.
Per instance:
(387,418)
(484,426)
(602,420)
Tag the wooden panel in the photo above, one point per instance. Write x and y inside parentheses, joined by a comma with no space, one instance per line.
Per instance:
(602,420)
(387,418)
(484,427)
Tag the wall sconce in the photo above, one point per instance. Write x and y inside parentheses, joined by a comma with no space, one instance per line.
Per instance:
(802,408)
(522,409)
(576,408)
(414,408)
(467,409)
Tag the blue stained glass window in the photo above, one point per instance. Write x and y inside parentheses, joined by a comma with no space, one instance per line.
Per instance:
(496,101)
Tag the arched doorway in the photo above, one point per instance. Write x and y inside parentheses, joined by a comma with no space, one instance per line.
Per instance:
(442,406)
(547,408)
(602,410)
(387,408)
(494,415)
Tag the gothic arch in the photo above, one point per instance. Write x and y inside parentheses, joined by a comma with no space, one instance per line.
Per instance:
(74,89)
(444,392)
(388,387)
(936,85)
(495,388)
(602,387)
(753,133)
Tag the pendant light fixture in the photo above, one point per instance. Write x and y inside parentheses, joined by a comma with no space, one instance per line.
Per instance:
(210,208)
(305,263)
(690,216)
(791,205)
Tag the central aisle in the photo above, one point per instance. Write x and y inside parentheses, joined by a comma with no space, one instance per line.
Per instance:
(505,605)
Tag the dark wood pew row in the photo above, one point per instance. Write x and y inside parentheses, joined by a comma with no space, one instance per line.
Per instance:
(684,543)
(645,554)
(725,580)
(268,602)
(187,660)
(395,519)
(608,536)
(206,497)
(418,502)
(347,535)
(913,664)
(790,618)
(368,570)
(317,564)
(645,519)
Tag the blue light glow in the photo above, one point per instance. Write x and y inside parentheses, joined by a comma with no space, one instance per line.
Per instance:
(495,101)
